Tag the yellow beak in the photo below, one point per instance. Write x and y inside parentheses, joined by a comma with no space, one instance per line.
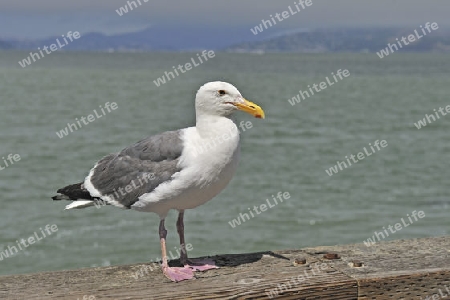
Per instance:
(251,108)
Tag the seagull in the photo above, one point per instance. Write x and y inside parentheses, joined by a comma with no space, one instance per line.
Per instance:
(178,170)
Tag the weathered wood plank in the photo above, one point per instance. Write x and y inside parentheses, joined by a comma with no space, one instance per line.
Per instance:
(404,269)
(243,276)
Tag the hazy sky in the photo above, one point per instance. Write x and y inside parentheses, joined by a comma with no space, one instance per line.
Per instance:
(41,18)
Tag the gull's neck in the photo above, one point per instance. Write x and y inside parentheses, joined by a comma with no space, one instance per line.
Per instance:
(213,125)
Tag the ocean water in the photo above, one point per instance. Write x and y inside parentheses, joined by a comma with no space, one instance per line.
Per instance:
(289,151)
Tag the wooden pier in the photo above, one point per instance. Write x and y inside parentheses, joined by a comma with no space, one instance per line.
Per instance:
(401,269)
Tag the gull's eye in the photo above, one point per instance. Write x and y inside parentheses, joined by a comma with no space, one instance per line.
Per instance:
(222,92)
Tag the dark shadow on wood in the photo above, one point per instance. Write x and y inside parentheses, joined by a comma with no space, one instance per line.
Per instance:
(234,260)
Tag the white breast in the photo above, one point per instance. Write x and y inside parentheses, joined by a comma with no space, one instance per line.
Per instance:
(208,163)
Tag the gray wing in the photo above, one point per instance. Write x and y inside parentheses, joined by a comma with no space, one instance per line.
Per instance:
(138,169)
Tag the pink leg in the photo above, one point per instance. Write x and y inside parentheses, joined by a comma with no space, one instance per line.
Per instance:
(174,274)
(196,265)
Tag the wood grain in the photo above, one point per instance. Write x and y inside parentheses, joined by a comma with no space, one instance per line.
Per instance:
(402,269)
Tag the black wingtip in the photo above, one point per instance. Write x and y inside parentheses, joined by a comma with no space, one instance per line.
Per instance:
(60,197)
(73,192)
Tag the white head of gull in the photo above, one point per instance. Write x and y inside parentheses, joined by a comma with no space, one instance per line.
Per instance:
(178,170)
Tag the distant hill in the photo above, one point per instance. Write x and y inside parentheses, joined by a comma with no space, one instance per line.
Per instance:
(5,45)
(346,40)
(235,40)
(149,39)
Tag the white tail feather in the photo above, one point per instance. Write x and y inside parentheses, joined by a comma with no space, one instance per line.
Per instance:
(80,204)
